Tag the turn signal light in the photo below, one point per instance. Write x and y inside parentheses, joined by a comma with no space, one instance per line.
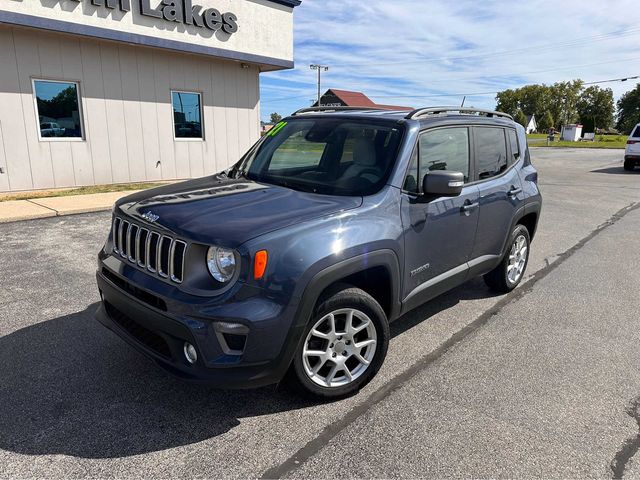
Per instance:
(260,264)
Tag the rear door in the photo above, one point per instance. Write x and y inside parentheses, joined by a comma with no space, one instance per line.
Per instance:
(501,194)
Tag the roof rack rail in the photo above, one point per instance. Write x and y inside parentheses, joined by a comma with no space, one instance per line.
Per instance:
(423,112)
(333,109)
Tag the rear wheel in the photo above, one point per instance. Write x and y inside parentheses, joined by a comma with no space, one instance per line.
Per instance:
(344,345)
(506,276)
(628,165)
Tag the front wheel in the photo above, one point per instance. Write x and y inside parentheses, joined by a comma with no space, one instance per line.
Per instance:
(344,345)
(506,276)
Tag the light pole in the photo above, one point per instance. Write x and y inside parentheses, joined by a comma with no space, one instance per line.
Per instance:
(319,68)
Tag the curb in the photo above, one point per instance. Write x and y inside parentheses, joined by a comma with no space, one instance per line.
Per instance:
(37,208)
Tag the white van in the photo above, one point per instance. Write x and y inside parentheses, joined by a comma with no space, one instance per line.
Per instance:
(632,153)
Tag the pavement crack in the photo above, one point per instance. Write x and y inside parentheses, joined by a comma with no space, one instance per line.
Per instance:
(43,206)
(630,447)
(315,445)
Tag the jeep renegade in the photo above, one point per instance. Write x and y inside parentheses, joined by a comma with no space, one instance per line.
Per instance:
(292,263)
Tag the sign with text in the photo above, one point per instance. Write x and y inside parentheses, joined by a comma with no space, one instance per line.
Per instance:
(179,11)
(256,31)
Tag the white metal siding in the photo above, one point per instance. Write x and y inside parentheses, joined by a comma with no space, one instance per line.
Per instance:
(126,109)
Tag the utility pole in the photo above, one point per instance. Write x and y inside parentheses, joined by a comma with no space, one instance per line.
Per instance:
(319,68)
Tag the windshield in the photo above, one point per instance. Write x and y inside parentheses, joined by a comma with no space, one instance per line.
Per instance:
(331,156)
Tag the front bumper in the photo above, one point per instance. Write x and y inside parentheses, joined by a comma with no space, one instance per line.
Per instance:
(159,330)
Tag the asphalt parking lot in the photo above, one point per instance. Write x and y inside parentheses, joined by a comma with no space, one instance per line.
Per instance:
(541,383)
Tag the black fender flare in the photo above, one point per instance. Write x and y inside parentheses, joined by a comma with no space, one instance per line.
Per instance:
(526,209)
(385,258)
(324,278)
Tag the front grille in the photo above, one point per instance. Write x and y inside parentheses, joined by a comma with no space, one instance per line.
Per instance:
(159,254)
(140,294)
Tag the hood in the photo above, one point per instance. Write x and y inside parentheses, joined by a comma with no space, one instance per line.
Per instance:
(229,212)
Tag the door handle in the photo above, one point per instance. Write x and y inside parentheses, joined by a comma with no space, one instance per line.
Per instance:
(514,191)
(468,207)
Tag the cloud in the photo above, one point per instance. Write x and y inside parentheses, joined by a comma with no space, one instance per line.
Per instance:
(425,52)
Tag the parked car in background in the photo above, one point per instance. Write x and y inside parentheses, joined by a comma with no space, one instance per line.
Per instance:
(632,152)
(188,130)
(51,129)
(292,263)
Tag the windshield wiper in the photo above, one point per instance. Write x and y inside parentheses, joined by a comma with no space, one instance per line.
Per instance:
(288,184)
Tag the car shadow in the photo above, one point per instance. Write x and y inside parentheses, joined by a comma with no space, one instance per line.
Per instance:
(71,387)
(616,170)
(472,290)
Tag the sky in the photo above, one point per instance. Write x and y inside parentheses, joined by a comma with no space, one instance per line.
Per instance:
(425,52)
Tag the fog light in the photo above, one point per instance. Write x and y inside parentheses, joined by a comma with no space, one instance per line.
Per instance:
(190,353)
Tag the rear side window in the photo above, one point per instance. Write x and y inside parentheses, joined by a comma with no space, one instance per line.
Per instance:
(515,148)
(491,152)
(636,134)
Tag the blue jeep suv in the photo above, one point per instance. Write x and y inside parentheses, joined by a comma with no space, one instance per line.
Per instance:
(292,263)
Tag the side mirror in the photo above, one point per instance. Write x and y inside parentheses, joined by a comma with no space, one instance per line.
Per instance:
(443,183)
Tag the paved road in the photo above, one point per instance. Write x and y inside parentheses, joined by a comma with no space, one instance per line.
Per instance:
(537,383)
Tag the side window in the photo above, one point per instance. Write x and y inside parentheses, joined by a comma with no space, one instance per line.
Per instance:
(515,148)
(441,149)
(444,149)
(491,152)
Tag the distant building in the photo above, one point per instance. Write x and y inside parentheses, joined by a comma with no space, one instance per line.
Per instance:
(117,91)
(571,132)
(532,125)
(345,98)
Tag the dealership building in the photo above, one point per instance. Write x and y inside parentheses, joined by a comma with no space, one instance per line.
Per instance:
(116,91)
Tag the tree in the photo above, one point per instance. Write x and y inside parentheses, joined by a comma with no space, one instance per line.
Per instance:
(508,102)
(629,110)
(596,108)
(545,122)
(60,106)
(535,99)
(564,101)
(560,99)
(275,118)
(521,118)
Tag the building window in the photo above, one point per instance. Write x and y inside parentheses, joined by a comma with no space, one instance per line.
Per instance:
(58,107)
(187,114)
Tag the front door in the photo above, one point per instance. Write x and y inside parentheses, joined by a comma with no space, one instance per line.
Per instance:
(438,232)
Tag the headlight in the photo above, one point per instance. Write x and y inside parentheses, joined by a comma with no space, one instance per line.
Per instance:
(221,263)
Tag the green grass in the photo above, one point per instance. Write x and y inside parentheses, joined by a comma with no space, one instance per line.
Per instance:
(122,187)
(601,141)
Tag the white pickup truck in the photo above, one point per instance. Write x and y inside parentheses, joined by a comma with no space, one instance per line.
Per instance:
(51,129)
(632,152)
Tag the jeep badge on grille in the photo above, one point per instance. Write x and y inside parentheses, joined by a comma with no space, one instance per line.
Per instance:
(150,217)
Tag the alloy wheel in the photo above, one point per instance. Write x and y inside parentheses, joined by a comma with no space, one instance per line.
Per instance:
(339,348)
(517,259)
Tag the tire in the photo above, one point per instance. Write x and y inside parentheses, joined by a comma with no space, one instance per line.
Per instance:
(629,166)
(341,346)
(503,279)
